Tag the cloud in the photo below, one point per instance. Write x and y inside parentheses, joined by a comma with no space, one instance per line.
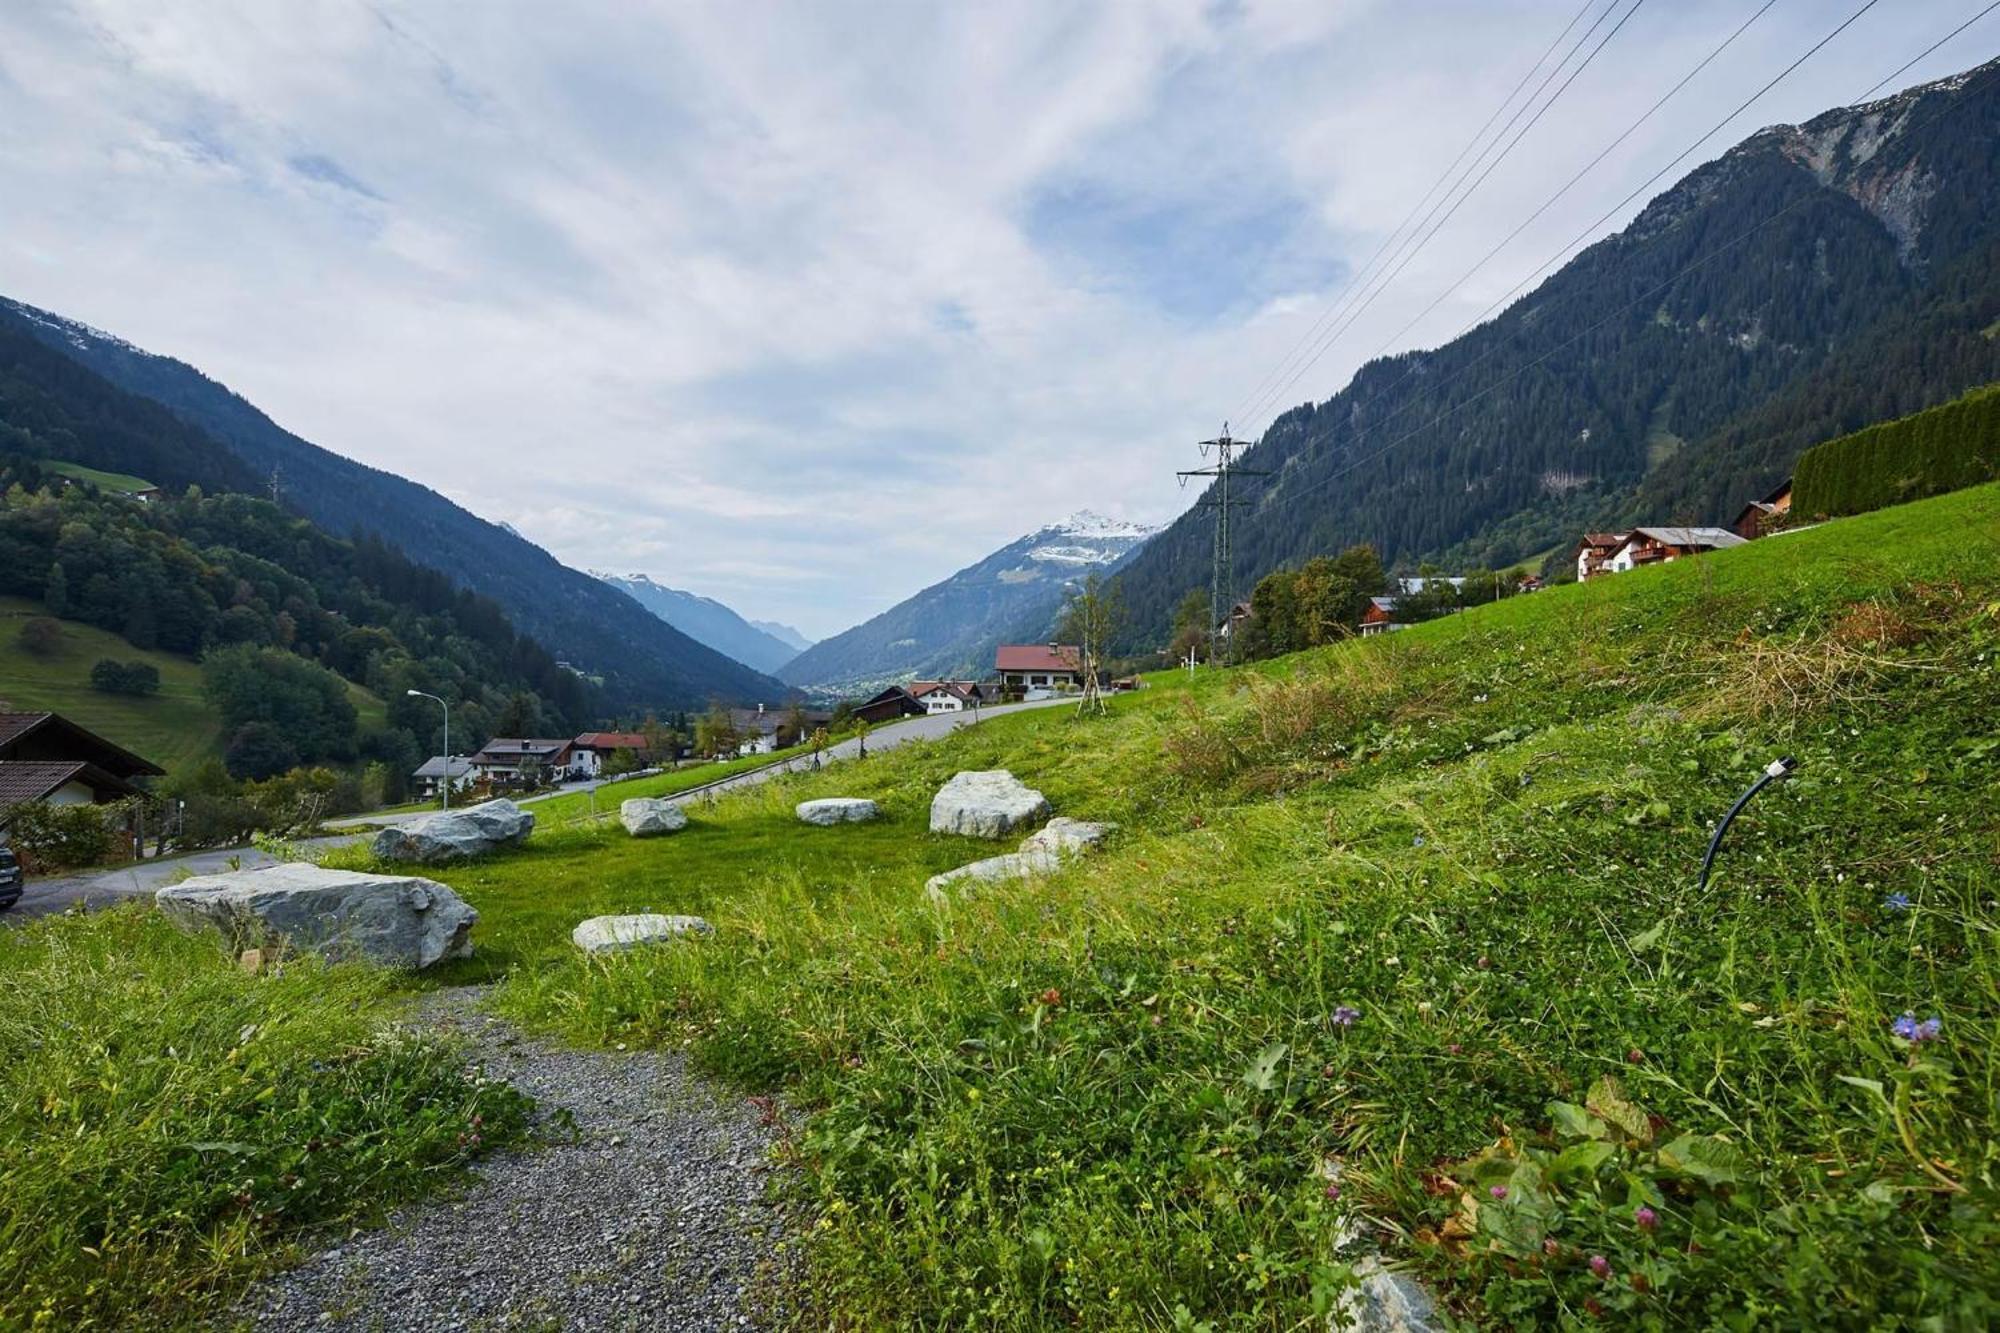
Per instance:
(806,308)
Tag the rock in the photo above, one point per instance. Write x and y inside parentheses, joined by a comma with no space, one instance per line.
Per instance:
(1013,865)
(456,835)
(650,816)
(986,804)
(394,920)
(610,934)
(1066,835)
(837,810)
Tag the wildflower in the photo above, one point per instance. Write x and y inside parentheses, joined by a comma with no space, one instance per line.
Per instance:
(1498,1191)
(1551,1248)
(1646,1218)
(1333,1189)
(1345,1016)
(1454,1048)
(1052,997)
(1417,841)
(1897,902)
(1635,1056)
(1909,1029)
(1600,1265)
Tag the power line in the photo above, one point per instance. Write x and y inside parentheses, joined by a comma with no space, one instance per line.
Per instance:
(1900,69)
(1333,306)
(1648,295)
(1222,591)
(1404,262)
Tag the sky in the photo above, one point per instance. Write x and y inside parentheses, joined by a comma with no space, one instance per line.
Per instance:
(805,307)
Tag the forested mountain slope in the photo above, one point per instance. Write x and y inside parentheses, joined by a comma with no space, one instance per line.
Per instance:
(1812,279)
(645,662)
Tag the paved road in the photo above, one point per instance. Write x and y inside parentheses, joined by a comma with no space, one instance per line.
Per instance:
(106,887)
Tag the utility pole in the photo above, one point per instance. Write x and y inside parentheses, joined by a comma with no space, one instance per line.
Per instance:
(277,485)
(1222,576)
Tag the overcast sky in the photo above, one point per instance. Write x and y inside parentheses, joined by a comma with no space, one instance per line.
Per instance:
(804,307)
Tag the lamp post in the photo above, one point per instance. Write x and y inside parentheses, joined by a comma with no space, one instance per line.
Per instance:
(419,694)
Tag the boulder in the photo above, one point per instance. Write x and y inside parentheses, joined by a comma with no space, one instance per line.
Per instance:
(986,804)
(610,934)
(650,816)
(394,920)
(1013,865)
(838,810)
(456,835)
(1068,836)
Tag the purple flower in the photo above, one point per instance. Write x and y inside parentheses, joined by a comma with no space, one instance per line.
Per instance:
(1600,1265)
(1897,902)
(1646,1218)
(1333,1189)
(1345,1016)
(1909,1029)
(1498,1191)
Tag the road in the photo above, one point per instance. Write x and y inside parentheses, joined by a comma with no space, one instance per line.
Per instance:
(102,888)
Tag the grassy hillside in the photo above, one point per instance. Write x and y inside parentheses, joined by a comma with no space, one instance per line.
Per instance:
(104,481)
(174,728)
(1413,917)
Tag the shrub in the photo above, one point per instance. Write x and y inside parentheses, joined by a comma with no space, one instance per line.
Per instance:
(134,678)
(64,837)
(41,635)
(1943,449)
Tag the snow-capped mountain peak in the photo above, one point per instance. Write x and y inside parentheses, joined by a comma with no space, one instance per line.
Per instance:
(1086,524)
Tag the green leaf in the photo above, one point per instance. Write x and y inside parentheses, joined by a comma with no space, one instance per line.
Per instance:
(1705,1158)
(1574,1122)
(1581,1159)
(1650,937)
(1608,1100)
(1263,1071)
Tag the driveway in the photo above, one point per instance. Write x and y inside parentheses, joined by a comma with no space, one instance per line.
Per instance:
(103,888)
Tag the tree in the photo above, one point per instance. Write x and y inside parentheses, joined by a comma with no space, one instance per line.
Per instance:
(306,705)
(520,716)
(259,750)
(794,729)
(55,591)
(1191,627)
(620,762)
(714,733)
(134,678)
(41,635)
(1092,619)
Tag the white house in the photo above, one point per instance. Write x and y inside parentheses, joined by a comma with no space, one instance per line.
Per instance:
(1652,546)
(431,775)
(944,696)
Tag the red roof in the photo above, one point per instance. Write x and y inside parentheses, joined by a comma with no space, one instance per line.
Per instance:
(611,740)
(1037,657)
(962,688)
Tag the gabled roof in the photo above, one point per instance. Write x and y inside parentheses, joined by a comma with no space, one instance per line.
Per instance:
(964,689)
(513,749)
(50,736)
(611,740)
(1604,540)
(433,767)
(1036,657)
(1709,537)
(1387,604)
(32,779)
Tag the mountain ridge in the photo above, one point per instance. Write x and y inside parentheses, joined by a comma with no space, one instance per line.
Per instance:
(705,620)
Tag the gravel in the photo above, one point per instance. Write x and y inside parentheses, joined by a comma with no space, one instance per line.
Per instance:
(653,1212)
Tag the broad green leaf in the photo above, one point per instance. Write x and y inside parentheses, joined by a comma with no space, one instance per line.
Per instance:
(1263,1071)
(1608,1100)
(1649,937)
(1705,1158)
(1574,1122)
(1581,1159)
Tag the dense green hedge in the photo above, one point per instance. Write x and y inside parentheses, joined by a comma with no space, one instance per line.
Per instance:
(1928,453)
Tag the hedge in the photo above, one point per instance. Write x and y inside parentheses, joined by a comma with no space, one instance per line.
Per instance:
(1947,447)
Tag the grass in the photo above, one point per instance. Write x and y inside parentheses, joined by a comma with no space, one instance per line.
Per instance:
(119,482)
(175,728)
(1108,1099)
(172,1122)
(578,805)
(1420,906)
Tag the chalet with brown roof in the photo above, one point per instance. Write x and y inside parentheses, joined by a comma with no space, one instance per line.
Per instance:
(46,757)
(1653,546)
(1380,617)
(890,704)
(1759,516)
(1594,550)
(508,761)
(1036,666)
(593,749)
(944,696)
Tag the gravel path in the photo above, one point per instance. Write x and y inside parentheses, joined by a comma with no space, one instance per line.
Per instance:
(652,1215)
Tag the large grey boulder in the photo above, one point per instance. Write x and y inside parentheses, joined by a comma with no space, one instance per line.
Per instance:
(837,810)
(610,934)
(394,920)
(988,803)
(456,835)
(650,816)
(1013,865)
(1068,836)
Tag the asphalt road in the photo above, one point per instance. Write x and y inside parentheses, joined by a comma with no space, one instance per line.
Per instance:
(103,888)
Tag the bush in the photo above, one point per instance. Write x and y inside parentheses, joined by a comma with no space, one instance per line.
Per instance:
(41,635)
(134,678)
(65,837)
(1943,449)
(301,705)
(259,750)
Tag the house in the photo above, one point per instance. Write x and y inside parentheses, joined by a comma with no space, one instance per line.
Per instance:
(430,776)
(1758,515)
(890,704)
(1594,550)
(1530,583)
(1652,546)
(1380,617)
(509,761)
(593,749)
(1239,615)
(945,696)
(1039,666)
(46,757)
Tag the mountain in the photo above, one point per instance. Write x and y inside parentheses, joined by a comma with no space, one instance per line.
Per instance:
(1808,282)
(223,442)
(950,628)
(706,620)
(784,634)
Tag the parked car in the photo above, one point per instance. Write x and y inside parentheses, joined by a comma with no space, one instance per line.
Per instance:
(11,878)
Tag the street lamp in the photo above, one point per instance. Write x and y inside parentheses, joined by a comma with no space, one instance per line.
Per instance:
(419,694)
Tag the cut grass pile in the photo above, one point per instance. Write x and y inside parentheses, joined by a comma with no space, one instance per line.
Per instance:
(1422,906)
(170,1122)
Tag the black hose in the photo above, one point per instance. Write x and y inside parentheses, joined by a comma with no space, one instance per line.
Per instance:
(1776,769)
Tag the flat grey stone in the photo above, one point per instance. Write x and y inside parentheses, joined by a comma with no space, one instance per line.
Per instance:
(610,934)
(837,810)
(393,920)
(456,835)
(1012,865)
(1063,834)
(989,803)
(650,816)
